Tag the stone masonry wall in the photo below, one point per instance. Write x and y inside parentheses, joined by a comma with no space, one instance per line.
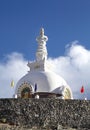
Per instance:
(45,112)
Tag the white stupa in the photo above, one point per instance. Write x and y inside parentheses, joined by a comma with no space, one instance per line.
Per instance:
(41,81)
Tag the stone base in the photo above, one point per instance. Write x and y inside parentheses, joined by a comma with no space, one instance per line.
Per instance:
(49,113)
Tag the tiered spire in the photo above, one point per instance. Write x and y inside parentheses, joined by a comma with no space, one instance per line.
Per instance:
(41,53)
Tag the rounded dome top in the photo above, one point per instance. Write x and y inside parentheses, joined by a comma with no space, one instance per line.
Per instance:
(46,82)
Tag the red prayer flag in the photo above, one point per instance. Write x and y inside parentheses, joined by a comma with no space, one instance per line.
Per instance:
(82,89)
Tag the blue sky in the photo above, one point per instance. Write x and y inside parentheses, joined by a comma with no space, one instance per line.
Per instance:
(66,22)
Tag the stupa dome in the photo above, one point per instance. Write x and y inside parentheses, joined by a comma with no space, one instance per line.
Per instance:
(40,79)
(46,81)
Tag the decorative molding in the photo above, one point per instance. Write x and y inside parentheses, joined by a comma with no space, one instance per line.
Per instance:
(22,86)
(67,93)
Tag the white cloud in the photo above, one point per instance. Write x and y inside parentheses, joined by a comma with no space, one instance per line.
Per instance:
(13,68)
(73,67)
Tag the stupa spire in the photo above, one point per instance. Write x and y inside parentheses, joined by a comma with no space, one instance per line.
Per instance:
(41,53)
(42,32)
